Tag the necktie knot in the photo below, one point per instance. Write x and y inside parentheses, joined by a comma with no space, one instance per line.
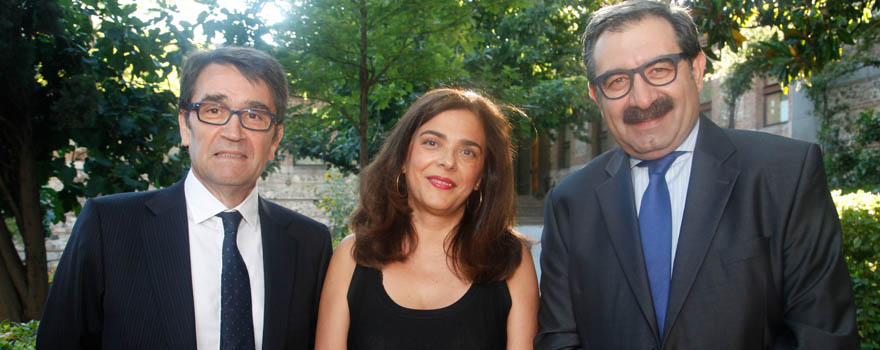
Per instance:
(660,165)
(231,220)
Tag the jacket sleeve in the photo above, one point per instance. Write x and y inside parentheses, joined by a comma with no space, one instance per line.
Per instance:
(557,328)
(73,316)
(818,308)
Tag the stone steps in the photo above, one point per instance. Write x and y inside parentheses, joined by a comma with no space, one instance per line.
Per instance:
(530,210)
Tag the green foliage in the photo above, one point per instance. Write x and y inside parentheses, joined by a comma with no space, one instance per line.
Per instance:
(852,154)
(851,141)
(860,219)
(18,336)
(353,60)
(338,196)
(82,75)
(794,50)
(523,53)
(237,28)
(527,53)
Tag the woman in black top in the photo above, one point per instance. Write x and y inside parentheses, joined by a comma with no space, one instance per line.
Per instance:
(434,262)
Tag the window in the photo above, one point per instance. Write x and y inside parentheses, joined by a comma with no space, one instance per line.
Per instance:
(775,105)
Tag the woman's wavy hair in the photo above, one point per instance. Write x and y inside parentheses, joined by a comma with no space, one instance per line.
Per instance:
(484,246)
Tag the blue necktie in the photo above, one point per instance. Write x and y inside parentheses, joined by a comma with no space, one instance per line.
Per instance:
(655,225)
(236,318)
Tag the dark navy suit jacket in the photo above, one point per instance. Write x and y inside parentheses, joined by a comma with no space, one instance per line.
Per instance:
(124,280)
(758,264)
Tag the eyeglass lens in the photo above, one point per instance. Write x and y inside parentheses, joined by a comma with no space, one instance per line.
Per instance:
(657,73)
(250,118)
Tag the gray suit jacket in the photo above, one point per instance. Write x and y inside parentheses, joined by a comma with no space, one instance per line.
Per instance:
(124,280)
(758,264)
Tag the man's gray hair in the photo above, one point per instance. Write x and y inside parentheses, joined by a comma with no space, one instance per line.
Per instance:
(615,18)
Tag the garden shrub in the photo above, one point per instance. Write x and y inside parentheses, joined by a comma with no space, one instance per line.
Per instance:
(860,219)
(338,196)
(18,336)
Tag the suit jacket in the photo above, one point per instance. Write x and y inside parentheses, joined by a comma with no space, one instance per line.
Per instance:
(758,264)
(124,280)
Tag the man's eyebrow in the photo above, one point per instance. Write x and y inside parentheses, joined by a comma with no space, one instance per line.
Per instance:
(258,105)
(222,98)
(214,98)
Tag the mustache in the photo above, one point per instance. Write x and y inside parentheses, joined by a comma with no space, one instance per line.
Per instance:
(660,106)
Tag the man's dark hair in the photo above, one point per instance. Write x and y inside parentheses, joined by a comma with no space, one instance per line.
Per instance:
(615,18)
(253,64)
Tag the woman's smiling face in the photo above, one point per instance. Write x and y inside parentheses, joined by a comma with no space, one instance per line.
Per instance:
(445,162)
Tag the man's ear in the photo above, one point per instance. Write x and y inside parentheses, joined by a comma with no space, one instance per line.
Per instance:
(183,127)
(279,133)
(698,69)
(593,94)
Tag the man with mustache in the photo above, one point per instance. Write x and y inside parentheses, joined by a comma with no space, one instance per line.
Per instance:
(688,236)
(206,263)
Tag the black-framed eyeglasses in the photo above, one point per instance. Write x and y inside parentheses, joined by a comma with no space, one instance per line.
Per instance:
(660,71)
(218,114)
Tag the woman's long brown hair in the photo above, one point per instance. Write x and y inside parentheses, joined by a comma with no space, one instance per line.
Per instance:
(484,246)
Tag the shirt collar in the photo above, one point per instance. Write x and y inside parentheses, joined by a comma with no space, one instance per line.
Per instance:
(687,146)
(201,205)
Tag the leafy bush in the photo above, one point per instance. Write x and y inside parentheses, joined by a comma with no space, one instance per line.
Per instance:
(852,152)
(18,336)
(860,218)
(338,196)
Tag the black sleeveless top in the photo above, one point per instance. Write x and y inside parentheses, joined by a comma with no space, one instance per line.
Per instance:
(476,321)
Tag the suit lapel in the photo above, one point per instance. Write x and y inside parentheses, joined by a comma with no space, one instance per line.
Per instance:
(713,175)
(279,264)
(617,203)
(165,238)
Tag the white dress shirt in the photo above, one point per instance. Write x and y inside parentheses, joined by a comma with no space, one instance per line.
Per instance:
(677,178)
(206,259)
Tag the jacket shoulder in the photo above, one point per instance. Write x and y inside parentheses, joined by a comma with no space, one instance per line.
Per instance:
(298,224)
(125,201)
(589,176)
(769,152)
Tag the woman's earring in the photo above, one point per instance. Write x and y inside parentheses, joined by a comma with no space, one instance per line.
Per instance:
(397,185)
(480,203)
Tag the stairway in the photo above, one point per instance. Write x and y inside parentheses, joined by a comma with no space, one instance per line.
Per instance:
(530,210)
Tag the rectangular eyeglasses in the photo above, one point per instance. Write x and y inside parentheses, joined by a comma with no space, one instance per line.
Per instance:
(660,71)
(218,114)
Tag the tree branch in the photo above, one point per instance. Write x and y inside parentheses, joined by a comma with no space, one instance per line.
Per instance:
(7,195)
(408,40)
(12,261)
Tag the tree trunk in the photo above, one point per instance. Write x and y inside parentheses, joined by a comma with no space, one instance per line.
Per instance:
(10,303)
(12,278)
(33,235)
(596,137)
(731,114)
(364,83)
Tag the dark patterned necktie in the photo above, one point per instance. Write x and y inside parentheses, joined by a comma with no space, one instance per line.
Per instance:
(236,318)
(655,225)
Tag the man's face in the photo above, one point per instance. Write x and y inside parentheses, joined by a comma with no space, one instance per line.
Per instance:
(650,121)
(228,158)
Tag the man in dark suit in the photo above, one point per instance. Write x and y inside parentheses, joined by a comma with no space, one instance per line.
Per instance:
(205,263)
(689,236)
